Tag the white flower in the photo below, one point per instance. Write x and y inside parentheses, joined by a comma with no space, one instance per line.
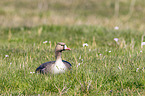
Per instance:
(85,44)
(80,57)
(137,69)
(45,42)
(82,60)
(116,39)
(140,50)
(100,54)
(89,49)
(116,27)
(10,63)
(119,67)
(32,72)
(6,55)
(143,43)
(49,41)
(109,51)
(78,64)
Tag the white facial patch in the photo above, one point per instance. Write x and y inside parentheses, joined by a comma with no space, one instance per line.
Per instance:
(65,47)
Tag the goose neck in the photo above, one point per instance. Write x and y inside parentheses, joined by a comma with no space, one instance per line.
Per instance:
(58,55)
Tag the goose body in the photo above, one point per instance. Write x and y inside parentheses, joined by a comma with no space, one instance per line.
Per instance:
(58,66)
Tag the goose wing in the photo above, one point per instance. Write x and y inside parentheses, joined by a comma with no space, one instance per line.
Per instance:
(67,64)
(45,67)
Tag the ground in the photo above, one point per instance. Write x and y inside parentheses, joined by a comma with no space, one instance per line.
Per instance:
(106,38)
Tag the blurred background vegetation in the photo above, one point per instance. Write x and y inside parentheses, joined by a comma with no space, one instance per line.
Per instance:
(108,13)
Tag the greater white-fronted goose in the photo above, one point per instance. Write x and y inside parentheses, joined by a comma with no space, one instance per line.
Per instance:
(58,66)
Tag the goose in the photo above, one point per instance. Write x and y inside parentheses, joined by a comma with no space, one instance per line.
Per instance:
(58,66)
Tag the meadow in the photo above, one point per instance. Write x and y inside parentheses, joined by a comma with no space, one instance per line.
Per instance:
(107,45)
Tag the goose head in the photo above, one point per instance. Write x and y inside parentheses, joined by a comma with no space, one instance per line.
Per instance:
(61,47)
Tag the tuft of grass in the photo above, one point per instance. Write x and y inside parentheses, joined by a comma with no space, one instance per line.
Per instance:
(104,67)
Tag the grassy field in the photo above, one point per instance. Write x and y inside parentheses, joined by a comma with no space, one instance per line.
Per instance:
(104,67)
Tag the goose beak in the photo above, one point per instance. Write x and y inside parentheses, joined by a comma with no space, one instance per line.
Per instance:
(65,48)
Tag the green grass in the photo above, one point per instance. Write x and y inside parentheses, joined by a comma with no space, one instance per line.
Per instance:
(104,67)
(100,72)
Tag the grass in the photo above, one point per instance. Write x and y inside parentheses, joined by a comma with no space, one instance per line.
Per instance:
(104,67)
(100,72)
